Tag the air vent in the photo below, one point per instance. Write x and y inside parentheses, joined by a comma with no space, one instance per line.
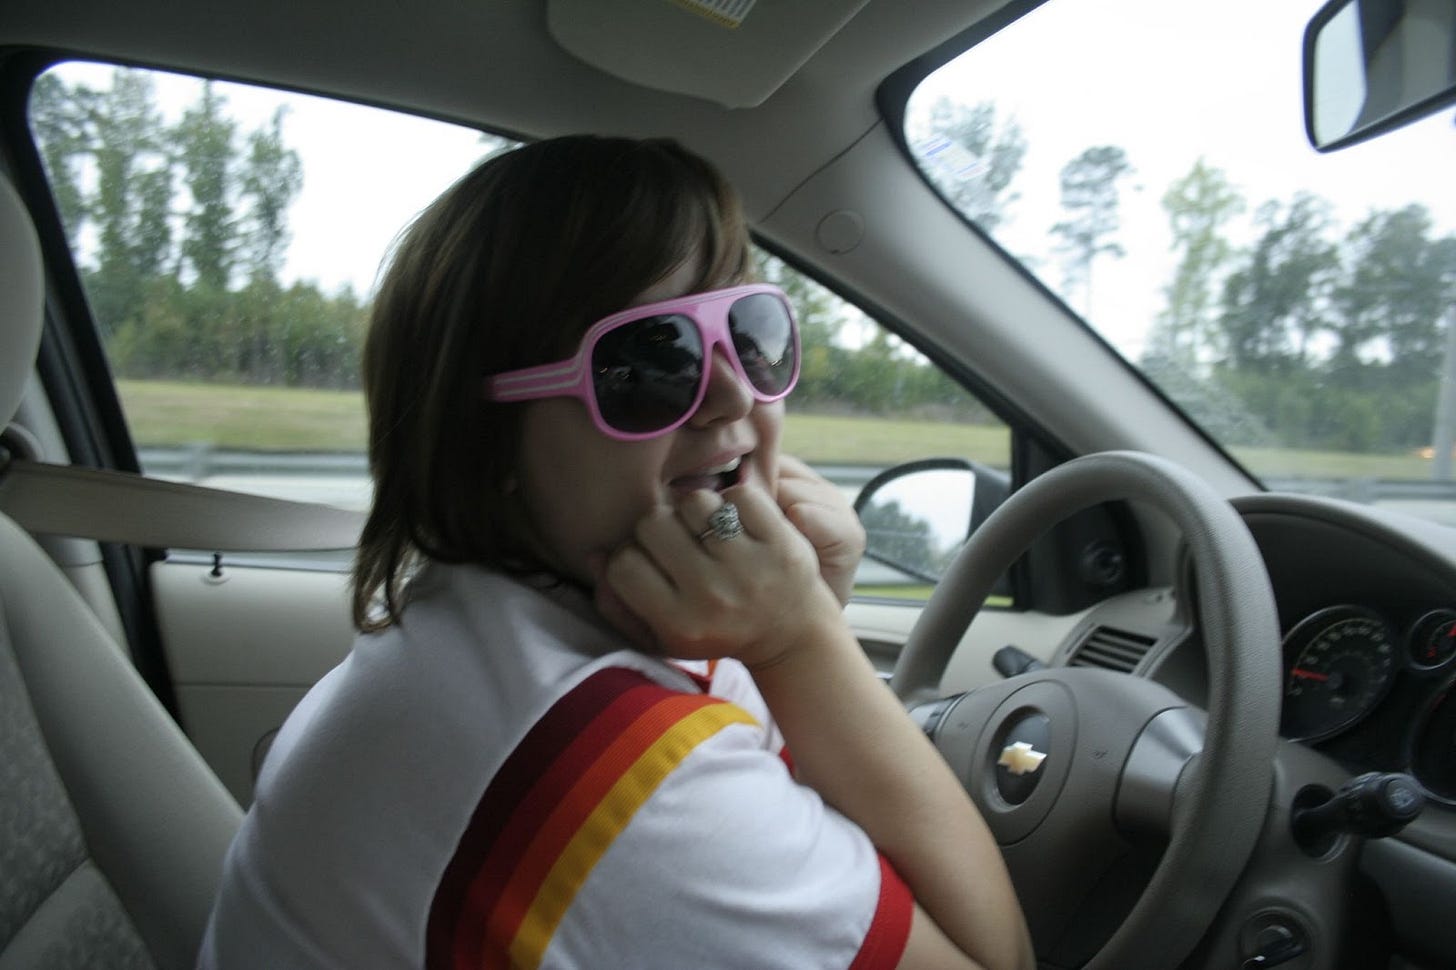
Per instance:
(1112,649)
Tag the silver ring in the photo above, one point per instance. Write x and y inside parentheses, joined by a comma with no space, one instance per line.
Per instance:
(723,524)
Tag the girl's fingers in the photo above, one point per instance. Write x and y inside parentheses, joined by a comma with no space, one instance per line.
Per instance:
(706,591)
(614,610)
(638,579)
(801,483)
(819,511)
(761,517)
(708,520)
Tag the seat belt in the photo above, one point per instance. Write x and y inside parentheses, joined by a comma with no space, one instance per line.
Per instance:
(112,506)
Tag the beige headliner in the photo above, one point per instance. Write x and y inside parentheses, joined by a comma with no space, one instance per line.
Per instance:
(494,63)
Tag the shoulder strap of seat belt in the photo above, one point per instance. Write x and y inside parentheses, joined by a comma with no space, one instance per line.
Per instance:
(113,506)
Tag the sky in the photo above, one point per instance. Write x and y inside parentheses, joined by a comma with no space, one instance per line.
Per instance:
(367,173)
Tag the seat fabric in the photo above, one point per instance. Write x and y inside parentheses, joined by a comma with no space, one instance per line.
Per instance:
(112,828)
(56,910)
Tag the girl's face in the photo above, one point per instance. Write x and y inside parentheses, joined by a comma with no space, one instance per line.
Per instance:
(584,492)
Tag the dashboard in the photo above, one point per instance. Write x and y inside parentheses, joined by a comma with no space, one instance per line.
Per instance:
(1366,643)
(1372,686)
(1367,609)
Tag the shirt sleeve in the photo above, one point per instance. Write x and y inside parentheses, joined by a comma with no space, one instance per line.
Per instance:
(730,680)
(638,826)
(730,863)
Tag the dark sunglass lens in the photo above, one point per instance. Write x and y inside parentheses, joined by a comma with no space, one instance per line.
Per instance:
(646,373)
(763,336)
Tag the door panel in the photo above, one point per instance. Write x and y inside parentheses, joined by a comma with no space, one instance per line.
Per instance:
(243,648)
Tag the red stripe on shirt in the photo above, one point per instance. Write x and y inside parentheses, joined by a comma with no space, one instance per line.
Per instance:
(520,796)
(884,943)
(586,792)
(551,782)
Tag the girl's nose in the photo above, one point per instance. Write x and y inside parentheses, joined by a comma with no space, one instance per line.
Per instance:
(727,397)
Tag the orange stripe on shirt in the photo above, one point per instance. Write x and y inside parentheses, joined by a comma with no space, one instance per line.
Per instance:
(534,779)
(610,816)
(558,778)
(578,804)
(586,791)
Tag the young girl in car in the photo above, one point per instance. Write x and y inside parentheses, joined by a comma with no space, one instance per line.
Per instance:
(575,404)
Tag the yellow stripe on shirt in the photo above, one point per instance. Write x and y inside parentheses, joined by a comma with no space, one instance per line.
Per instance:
(606,822)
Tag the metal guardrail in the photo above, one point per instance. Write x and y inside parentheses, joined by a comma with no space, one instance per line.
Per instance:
(201,463)
(197,463)
(1368,490)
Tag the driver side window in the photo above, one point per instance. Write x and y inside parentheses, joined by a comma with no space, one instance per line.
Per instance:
(868,402)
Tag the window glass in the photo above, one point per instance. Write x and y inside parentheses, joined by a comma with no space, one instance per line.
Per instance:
(1298,306)
(868,401)
(228,239)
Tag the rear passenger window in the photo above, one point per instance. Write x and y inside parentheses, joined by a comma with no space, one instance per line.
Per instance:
(227,238)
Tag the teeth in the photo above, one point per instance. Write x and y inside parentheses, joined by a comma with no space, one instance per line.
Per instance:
(723,469)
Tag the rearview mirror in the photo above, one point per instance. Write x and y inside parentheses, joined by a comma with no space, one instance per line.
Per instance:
(1374,65)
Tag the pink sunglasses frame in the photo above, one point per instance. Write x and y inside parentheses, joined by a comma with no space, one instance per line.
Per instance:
(708,311)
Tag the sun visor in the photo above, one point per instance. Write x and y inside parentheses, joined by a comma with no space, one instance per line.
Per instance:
(733,52)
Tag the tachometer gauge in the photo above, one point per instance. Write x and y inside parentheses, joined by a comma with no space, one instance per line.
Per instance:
(1341,660)
(1432,641)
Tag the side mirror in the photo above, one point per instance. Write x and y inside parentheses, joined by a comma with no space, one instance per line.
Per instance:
(917,516)
(1371,66)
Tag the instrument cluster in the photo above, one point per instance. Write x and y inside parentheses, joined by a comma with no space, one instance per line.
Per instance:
(1369,688)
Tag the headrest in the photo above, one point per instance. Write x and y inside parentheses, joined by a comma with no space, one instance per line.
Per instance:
(22,299)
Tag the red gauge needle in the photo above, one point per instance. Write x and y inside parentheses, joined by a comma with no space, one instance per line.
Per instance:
(1309,674)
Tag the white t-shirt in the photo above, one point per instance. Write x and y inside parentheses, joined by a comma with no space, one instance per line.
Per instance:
(498,781)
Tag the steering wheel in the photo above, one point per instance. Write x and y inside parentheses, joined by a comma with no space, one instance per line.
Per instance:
(1127,763)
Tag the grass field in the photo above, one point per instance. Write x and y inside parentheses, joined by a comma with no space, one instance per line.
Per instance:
(168,414)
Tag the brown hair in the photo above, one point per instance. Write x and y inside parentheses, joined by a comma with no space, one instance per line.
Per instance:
(507,269)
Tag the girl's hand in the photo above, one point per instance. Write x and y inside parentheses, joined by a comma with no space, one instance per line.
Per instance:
(819,510)
(754,597)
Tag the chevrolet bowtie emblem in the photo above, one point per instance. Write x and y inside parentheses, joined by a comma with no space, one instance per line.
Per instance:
(1020,758)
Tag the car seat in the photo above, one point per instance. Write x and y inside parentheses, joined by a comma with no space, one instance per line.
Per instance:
(112,828)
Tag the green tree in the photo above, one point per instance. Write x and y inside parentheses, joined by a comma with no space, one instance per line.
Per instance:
(1270,310)
(272,177)
(60,117)
(1274,304)
(971,157)
(820,316)
(1400,282)
(1090,198)
(1198,205)
(903,541)
(174,308)
(208,152)
(131,206)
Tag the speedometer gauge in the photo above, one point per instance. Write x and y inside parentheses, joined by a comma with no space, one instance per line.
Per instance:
(1341,661)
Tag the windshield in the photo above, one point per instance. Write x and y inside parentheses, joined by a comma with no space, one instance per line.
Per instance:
(1297,306)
